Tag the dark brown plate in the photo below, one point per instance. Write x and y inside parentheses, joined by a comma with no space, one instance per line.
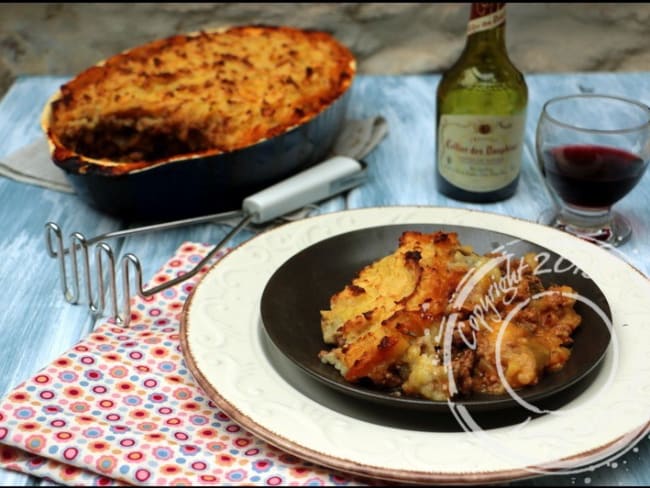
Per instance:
(303,285)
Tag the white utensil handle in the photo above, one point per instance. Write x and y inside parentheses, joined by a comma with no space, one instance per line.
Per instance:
(312,185)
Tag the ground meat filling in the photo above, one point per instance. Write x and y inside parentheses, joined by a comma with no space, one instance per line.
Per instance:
(123,143)
(388,328)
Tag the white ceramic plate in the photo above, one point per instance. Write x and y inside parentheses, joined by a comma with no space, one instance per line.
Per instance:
(229,354)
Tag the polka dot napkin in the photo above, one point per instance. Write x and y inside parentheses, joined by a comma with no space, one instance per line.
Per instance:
(121,408)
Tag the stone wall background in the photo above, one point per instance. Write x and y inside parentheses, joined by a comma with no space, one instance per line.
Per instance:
(404,38)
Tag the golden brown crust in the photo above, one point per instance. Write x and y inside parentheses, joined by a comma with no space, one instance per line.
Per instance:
(389,324)
(209,92)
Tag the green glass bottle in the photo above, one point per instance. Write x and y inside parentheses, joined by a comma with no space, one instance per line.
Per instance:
(481,114)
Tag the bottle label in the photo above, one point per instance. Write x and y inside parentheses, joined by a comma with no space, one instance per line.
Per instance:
(480,153)
(484,16)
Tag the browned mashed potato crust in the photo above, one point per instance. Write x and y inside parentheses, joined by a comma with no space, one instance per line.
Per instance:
(388,325)
(206,92)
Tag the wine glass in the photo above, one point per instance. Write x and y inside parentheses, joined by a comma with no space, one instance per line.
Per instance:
(592,150)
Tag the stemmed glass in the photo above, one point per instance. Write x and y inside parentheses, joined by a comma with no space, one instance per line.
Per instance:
(592,151)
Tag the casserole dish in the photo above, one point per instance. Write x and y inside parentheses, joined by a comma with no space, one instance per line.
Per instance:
(192,124)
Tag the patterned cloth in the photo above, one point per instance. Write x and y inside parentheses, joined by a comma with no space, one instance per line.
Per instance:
(121,407)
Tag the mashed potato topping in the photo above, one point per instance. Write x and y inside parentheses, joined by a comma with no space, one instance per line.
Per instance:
(388,326)
(209,91)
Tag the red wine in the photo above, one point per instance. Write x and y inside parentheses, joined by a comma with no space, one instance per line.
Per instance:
(591,176)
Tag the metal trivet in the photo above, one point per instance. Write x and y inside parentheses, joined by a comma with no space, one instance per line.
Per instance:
(315,184)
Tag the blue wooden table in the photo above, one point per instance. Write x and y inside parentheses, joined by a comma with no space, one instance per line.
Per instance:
(37,325)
